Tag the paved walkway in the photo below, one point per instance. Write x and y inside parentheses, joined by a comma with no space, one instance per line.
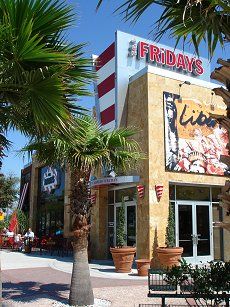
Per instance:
(103,269)
(32,280)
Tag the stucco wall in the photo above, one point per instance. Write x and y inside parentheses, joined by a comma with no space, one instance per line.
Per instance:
(99,222)
(145,111)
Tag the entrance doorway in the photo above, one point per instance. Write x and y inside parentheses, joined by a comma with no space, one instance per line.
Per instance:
(130,223)
(194,230)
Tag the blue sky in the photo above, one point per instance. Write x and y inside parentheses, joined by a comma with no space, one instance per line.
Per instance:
(97,30)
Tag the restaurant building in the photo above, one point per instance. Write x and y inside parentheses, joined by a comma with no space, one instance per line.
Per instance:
(167,95)
(42,197)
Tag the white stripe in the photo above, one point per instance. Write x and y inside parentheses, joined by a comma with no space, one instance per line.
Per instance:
(24,195)
(107,70)
(107,100)
(22,199)
(110,126)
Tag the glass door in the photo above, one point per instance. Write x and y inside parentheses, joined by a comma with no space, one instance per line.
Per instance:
(131,225)
(185,229)
(203,232)
(130,222)
(194,231)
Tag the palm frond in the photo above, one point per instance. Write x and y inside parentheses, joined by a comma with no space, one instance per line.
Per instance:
(40,71)
(185,20)
(87,147)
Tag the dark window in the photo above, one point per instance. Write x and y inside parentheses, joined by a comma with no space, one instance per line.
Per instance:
(192,193)
(50,200)
(172,192)
(215,193)
(129,194)
(111,197)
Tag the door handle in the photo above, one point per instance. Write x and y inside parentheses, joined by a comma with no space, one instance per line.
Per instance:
(195,239)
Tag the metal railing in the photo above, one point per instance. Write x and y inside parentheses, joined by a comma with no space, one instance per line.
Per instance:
(159,288)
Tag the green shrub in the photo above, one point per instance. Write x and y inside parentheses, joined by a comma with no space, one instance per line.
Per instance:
(170,230)
(207,280)
(120,231)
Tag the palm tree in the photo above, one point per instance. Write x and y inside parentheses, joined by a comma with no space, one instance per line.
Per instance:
(186,20)
(41,73)
(86,148)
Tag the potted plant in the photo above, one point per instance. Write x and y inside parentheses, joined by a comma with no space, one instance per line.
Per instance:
(122,255)
(170,255)
(143,266)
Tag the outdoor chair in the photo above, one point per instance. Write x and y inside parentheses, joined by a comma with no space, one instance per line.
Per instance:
(47,244)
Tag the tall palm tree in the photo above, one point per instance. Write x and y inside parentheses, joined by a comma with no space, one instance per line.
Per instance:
(86,148)
(41,73)
(186,20)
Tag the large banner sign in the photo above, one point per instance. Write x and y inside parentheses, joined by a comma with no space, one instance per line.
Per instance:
(194,142)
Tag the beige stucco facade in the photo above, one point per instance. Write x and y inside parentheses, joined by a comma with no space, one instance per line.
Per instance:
(144,110)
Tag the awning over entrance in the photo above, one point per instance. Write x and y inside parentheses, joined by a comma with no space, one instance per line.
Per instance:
(114,180)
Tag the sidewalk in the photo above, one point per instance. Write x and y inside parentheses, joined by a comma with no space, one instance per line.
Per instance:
(34,281)
(101,269)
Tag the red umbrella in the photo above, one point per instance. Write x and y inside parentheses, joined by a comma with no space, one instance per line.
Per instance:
(13,222)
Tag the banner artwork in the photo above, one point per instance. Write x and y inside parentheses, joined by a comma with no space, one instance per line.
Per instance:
(194,142)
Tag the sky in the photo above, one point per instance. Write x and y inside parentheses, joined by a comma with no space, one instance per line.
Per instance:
(97,30)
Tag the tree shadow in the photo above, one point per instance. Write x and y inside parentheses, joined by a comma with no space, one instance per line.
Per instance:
(28,291)
(155,263)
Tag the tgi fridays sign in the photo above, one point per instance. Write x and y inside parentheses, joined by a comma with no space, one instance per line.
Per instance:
(165,57)
(50,179)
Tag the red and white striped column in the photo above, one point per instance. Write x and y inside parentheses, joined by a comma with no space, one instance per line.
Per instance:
(105,86)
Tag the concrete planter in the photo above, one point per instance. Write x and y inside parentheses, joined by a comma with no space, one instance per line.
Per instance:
(143,266)
(123,258)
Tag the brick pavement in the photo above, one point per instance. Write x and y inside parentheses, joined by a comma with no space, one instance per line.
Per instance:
(40,286)
(27,284)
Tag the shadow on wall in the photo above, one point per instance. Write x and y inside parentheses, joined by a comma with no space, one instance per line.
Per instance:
(155,263)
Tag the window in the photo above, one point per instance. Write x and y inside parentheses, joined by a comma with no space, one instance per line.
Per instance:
(172,194)
(215,193)
(111,197)
(129,194)
(192,193)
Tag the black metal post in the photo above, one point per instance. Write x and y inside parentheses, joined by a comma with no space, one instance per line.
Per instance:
(163,301)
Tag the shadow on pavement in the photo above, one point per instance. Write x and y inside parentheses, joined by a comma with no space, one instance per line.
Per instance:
(46,255)
(106,270)
(28,291)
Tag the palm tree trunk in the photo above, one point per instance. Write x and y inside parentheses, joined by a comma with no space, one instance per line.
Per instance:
(81,292)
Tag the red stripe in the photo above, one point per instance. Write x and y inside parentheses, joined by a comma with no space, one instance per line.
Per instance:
(106,56)
(108,115)
(107,85)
